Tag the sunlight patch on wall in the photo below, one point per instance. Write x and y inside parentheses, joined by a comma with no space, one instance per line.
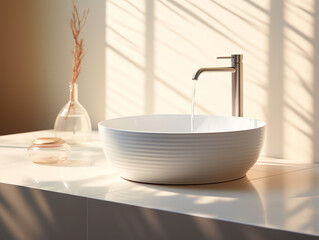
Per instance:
(124,58)
(190,35)
(298,75)
(184,36)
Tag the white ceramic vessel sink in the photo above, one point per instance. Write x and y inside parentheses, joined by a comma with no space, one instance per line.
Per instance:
(161,148)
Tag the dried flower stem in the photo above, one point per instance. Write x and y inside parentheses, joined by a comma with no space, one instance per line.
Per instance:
(76,24)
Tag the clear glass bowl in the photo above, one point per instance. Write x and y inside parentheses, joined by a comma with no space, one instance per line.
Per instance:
(49,150)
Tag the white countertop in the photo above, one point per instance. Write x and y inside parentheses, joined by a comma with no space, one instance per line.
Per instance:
(276,193)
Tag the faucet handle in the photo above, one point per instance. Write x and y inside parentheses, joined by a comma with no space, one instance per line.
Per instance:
(236,58)
(224,57)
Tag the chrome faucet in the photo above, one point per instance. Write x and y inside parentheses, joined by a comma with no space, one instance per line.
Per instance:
(237,81)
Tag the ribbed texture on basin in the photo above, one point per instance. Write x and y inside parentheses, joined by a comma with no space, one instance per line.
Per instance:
(189,158)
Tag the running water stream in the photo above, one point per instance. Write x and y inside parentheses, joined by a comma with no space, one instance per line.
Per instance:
(193,105)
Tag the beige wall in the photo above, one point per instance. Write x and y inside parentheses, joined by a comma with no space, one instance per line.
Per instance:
(142,55)
(36,62)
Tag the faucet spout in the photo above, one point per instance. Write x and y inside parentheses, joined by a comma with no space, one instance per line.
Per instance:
(237,81)
(216,69)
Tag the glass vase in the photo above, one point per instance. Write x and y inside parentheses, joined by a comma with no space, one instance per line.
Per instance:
(73,123)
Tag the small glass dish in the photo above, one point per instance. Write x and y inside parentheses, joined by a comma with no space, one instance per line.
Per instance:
(49,150)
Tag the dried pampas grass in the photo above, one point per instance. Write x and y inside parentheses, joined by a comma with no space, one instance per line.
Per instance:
(77,23)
